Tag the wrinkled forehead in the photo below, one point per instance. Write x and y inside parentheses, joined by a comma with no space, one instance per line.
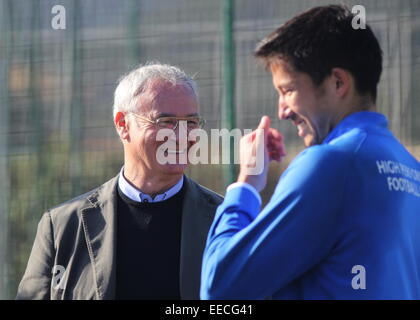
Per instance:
(162,96)
(162,89)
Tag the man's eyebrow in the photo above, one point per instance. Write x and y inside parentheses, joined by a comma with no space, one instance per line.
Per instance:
(286,83)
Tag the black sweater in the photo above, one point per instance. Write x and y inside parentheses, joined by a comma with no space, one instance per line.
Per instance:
(148,248)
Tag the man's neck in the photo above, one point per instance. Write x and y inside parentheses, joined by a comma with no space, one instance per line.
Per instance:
(150,184)
(355,105)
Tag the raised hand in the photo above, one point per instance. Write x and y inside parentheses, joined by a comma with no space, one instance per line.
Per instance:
(257,149)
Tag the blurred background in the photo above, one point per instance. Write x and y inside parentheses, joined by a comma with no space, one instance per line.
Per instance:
(57,138)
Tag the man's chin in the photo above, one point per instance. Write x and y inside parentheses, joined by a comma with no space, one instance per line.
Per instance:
(309,141)
(173,168)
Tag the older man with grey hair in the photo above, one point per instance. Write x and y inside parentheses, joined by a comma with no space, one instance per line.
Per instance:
(140,235)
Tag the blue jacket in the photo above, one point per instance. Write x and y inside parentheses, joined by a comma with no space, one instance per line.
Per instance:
(343,223)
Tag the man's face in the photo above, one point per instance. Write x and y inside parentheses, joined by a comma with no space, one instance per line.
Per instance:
(300,101)
(164,100)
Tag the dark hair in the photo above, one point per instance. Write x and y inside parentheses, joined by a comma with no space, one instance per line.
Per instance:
(320,39)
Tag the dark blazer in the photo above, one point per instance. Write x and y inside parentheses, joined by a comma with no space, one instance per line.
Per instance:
(80,235)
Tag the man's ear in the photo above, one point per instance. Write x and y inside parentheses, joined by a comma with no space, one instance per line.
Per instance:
(341,82)
(121,125)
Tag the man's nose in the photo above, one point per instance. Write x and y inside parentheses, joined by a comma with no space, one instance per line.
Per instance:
(181,132)
(284,111)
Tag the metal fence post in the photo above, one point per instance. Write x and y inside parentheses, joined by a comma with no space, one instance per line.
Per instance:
(228,115)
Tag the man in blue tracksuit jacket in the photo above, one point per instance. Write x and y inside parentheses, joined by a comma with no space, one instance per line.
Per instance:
(344,220)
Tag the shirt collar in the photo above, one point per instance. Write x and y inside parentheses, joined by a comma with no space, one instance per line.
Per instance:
(360,119)
(136,195)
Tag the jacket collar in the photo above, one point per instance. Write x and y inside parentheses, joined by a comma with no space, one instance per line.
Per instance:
(197,216)
(361,120)
(99,224)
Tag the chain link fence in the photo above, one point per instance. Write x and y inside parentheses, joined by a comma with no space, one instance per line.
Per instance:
(57,138)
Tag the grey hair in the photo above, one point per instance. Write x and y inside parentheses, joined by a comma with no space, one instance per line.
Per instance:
(133,84)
